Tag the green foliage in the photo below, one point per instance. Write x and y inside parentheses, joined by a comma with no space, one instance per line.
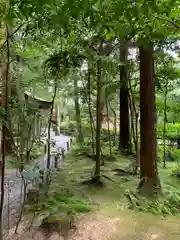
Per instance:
(64,60)
(167,205)
(11,162)
(176,171)
(68,128)
(172,130)
(62,36)
(82,150)
(63,201)
(173,150)
(176,155)
(105,134)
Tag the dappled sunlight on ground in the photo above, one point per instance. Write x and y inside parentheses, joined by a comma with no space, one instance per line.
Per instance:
(126,226)
(110,223)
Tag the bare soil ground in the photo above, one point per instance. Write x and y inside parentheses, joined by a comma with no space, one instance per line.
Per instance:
(101,225)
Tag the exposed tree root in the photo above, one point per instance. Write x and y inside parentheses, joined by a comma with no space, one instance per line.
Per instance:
(123,172)
(149,187)
(94,182)
(109,158)
(133,200)
(93,157)
(89,155)
(108,178)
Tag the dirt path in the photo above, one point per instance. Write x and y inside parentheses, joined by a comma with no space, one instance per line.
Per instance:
(127,226)
(121,225)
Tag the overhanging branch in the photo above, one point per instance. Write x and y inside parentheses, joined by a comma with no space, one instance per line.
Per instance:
(11,35)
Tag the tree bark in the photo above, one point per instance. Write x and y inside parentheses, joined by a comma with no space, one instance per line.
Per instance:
(8,144)
(89,108)
(149,180)
(98,117)
(5,79)
(114,124)
(124,135)
(49,133)
(165,121)
(58,120)
(80,138)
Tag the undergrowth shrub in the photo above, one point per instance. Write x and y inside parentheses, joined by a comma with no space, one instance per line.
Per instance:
(168,205)
(80,150)
(175,153)
(172,130)
(61,200)
(68,128)
(176,171)
(105,135)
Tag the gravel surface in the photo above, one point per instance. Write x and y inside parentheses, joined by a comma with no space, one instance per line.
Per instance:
(13,198)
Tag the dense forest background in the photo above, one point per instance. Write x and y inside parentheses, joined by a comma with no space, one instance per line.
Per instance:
(102,77)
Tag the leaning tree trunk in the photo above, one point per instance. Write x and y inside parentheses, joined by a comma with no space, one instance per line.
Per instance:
(124,135)
(149,180)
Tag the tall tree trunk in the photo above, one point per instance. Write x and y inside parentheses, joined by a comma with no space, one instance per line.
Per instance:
(5,78)
(89,108)
(149,181)
(165,121)
(98,117)
(80,138)
(58,119)
(124,135)
(49,133)
(134,126)
(114,123)
(8,143)
(107,110)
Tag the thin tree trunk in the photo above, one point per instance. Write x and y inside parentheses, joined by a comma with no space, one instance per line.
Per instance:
(93,129)
(165,121)
(49,133)
(115,123)
(90,113)
(149,180)
(134,114)
(80,138)
(109,132)
(98,117)
(137,141)
(124,138)
(5,77)
(58,121)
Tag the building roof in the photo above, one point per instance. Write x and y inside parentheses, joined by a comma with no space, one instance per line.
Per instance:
(42,103)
